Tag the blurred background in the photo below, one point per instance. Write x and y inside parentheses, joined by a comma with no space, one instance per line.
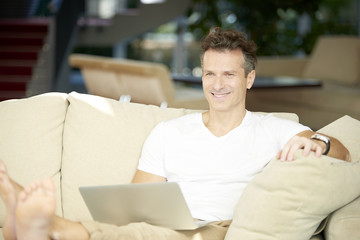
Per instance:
(168,31)
(38,36)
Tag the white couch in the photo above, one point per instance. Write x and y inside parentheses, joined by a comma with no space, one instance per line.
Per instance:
(81,139)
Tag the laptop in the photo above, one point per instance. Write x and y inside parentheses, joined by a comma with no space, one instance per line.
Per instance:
(160,204)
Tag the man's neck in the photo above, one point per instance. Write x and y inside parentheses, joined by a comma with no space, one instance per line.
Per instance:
(221,123)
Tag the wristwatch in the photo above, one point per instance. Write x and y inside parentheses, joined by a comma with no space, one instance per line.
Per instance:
(324,139)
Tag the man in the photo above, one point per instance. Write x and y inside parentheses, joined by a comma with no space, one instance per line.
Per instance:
(212,155)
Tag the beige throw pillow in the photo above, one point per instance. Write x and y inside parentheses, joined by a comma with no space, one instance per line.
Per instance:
(344,223)
(31,139)
(288,200)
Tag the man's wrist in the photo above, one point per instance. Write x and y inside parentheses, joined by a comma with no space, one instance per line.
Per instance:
(323,139)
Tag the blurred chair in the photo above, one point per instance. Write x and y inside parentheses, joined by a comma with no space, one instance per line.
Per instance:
(144,82)
(334,60)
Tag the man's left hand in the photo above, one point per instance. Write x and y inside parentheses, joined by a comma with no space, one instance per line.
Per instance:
(296,143)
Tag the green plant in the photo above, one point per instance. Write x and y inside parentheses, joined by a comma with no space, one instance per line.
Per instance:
(274,24)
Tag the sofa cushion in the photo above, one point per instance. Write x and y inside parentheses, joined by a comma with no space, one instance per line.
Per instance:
(288,200)
(344,223)
(103,139)
(31,132)
(347,130)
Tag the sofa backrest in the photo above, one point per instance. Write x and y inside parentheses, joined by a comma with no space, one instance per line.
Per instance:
(335,59)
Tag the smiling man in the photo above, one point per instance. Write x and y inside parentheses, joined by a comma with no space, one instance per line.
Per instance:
(225,82)
(225,78)
(211,155)
(214,155)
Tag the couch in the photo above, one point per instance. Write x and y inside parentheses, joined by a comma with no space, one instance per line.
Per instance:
(335,61)
(81,139)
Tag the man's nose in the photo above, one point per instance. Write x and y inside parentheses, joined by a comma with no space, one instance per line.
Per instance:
(219,83)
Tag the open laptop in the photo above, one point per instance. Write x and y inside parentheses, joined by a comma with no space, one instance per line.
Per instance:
(159,204)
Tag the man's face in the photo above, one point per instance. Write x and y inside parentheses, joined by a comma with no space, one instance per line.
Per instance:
(224,80)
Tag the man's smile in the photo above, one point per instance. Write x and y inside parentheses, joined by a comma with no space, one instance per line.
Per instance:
(220,95)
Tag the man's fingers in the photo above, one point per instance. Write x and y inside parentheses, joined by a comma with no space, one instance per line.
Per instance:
(307,149)
(293,149)
(288,152)
(283,153)
(318,151)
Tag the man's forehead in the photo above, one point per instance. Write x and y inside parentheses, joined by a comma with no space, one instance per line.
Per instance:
(231,56)
(227,53)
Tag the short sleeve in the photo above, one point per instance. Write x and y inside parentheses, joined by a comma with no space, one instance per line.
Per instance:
(152,156)
(283,129)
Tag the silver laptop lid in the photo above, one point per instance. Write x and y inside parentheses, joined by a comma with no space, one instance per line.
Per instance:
(159,204)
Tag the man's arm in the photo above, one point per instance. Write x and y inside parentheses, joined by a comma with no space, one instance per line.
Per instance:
(145,177)
(303,141)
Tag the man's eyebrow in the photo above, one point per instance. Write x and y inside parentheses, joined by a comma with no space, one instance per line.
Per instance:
(230,71)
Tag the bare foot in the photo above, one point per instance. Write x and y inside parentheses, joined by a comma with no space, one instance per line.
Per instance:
(35,210)
(8,195)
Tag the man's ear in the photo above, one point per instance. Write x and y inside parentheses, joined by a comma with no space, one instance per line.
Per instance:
(250,79)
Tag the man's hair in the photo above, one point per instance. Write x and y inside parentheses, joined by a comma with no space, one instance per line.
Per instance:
(229,40)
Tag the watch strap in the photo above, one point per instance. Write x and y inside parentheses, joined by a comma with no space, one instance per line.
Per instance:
(324,139)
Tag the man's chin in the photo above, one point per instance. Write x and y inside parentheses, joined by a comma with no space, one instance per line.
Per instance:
(221,107)
(225,106)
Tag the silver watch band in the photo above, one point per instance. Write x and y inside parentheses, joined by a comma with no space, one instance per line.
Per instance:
(324,139)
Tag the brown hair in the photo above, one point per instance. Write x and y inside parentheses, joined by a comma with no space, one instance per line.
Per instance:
(219,40)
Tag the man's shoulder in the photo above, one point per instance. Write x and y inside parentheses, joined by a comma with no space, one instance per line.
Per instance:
(258,116)
(187,118)
(266,119)
(272,116)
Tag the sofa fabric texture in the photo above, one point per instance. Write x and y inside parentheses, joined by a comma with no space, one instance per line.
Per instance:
(81,139)
(101,134)
(32,130)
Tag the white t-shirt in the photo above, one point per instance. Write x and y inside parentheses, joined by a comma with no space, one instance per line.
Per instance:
(213,171)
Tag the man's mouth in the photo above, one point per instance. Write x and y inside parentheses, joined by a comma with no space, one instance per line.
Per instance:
(220,95)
